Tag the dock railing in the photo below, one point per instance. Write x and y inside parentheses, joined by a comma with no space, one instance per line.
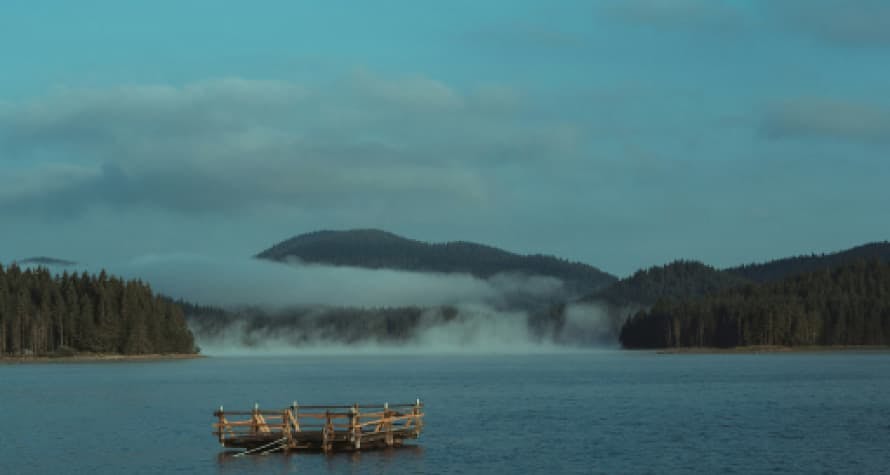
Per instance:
(319,427)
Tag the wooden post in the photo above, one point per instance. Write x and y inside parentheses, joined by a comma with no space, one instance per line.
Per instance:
(255,423)
(285,427)
(259,422)
(222,420)
(356,427)
(296,417)
(326,433)
(418,417)
(387,424)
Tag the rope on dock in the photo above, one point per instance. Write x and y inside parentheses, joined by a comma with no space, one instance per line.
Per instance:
(280,442)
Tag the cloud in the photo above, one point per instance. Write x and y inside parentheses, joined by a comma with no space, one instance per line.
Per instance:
(861,23)
(823,118)
(679,14)
(230,144)
(255,282)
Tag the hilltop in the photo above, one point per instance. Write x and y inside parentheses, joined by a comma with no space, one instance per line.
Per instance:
(781,268)
(377,249)
(689,279)
(677,279)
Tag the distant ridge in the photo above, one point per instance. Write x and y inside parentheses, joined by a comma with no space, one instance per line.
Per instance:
(689,279)
(377,249)
(46,261)
(677,279)
(781,268)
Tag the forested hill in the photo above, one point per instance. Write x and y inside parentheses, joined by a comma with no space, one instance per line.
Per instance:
(689,279)
(376,249)
(846,305)
(677,279)
(46,314)
(781,268)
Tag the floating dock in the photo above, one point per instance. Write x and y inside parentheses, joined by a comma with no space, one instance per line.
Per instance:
(326,428)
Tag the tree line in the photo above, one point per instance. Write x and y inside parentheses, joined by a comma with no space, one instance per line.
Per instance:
(781,268)
(46,314)
(845,305)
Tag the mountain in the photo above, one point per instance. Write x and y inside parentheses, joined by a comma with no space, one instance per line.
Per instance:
(686,279)
(376,249)
(677,279)
(781,268)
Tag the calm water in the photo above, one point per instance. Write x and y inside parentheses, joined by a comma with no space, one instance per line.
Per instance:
(600,412)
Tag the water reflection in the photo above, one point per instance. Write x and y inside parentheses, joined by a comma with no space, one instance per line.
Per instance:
(408,458)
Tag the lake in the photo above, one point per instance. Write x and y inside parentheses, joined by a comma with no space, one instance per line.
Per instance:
(587,412)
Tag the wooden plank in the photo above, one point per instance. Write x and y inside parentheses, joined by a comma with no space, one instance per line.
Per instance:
(362,406)
(390,420)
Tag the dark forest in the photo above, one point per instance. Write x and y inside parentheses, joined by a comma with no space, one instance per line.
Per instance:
(844,305)
(46,314)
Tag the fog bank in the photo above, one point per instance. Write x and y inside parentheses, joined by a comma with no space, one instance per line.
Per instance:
(466,328)
(263,307)
(253,282)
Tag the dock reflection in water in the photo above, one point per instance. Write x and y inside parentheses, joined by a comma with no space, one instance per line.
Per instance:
(405,459)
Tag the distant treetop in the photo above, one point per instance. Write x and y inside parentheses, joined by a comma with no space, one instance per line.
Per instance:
(780,268)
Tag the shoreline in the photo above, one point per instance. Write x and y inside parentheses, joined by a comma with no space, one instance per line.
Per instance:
(757,349)
(99,358)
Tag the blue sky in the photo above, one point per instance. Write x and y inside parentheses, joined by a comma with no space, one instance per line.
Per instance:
(621,133)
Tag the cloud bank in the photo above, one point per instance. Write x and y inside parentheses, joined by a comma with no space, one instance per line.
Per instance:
(230,145)
(254,282)
(596,131)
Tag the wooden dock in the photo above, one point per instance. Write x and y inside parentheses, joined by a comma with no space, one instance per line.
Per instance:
(325,428)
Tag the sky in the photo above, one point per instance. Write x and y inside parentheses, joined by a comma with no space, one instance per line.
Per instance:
(623,134)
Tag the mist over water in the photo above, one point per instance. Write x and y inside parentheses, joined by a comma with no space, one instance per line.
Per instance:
(276,308)
(472,328)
